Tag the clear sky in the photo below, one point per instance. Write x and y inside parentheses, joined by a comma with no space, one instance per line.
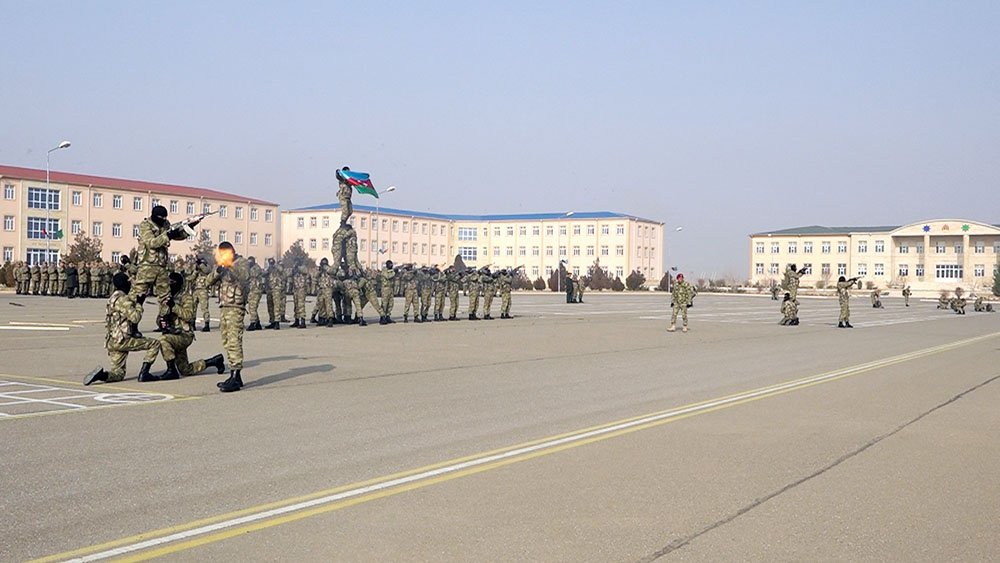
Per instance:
(724,117)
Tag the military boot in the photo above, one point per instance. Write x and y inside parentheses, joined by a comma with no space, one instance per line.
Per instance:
(234,383)
(423,318)
(487,317)
(847,324)
(405,318)
(134,330)
(171,372)
(273,325)
(313,319)
(144,375)
(388,320)
(361,321)
(473,317)
(300,323)
(252,326)
(205,328)
(97,375)
(218,362)
(453,318)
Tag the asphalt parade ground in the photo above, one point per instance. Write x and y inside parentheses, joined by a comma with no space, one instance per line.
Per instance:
(569,433)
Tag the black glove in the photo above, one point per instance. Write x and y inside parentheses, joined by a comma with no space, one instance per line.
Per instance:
(176,234)
(219,269)
(141,299)
(170,303)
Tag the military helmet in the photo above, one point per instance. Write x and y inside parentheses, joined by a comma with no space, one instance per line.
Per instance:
(388,264)
(324,262)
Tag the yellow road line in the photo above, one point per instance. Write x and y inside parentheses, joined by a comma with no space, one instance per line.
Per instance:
(208,530)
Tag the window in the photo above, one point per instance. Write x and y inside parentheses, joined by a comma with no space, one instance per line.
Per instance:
(97,229)
(406,227)
(173,207)
(423,248)
(239,237)
(441,251)
(549,230)
(521,251)
(405,245)
(135,231)
(759,249)
(75,227)
(98,200)
(223,236)
(825,269)
(920,248)
(77,199)
(824,247)
(326,243)
(948,271)
(467,233)
(115,257)
(423,229)
(496,251)
(604,250)
(536,251)
(620,229)
(206,207)
(576,229)
(239,212)
(958,248)
(433,250)
(841,247)
(980,247)
(619,271)
(326,222)
(605,229)
(562,251)
(841,269)
(979,271)
(37,255)
(253,239)
(312,244)
(385,224)
(300,223)
(534,271)
(590,229)
(8,191)
(904,248)
(904,270)
(880,246)
(775,248)
(40,227)
(467,253)
(759,268)
(590,251)
(41,198)
(155,202)
(562,230)
(774,268)
(395,226)
(253,213)
(619,250)
(939,248)
(116,230)
(8,253)
(189,208)
(920,270)
(116,202)
(8,222)
(793,248)
(395,247)
(576,251)
(267,239)
(576,270)
(548,271)
(268,215)
(863,246)
(862,269)
(536,230)
(312,222)
(510,231)
(364,222)
(879,269)
(807,247)
(496,231)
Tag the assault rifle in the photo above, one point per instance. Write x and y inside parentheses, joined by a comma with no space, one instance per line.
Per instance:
(187,225)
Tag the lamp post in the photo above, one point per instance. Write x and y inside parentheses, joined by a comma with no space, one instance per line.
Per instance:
(378,227)
(677,230)
(559,259)
(48,197)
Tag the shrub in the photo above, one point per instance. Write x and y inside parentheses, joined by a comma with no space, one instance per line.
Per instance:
(617,285)
(635,281)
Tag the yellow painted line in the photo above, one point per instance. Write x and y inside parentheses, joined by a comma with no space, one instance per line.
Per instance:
(208,530)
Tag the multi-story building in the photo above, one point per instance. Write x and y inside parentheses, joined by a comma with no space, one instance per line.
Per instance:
(537,241)
(110,209)
(929,255)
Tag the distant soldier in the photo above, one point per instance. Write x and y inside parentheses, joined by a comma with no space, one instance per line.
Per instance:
(344,192)
(275,276)
(440,280)
(323,309)
(84,274)
(95,280)
(254,294)
(789,311)
(682,294)
(425,284)
(122,314)
(43,268)
(475,288)
(906,296)
(200,277)
(775,291)
(793,277)
(300,279)
(489,292)
(23,278)
(577,288)
(388,277)
(504,283)
(233,277)
(36,279)
(943,301)
(570,290)
(61,276)
(876,299)
(408,278)
(177,329)
(844,297)
(454,278)
(957,305)
(72,280)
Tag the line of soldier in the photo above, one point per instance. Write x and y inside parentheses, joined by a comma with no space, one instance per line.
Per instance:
(67,279)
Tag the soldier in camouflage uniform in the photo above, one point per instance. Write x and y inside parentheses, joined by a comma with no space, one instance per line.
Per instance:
(122,314)
(454,278)
(789,311)
(300,279)
(44,269)
(344,248)
(344,193)
(388,277)
(504,283)
(323,310)
(24,277)
(844,296)
(61,283)
(876,299)
(352,287)
(578,288)
(425,285)
(155,235)
(473,282)
(36,279)
(84,273)
(234,284)
(254,294)
(906,296)
(275,276)
(409,281)
(440,281)
(489,292)
(95,280)
(177,329)
(682,294)
(792,279)
(200,276)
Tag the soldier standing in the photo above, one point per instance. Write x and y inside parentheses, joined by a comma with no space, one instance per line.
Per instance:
(72,280)
(578,288)
(472,278)
(155,235)
(426,285)
(409,282)
(300,278)
(906,296)
(504,283)
(489,292)
(844,297)
(233,277)
(23,277)
(792,278)
(123,313)
(254,294)
(84,274)
(774,292)
(454,278)
(388,277)
(95,279)
(275,276)
(177,329)
(324,294)
(61,280)
(36,279)
(440,281)
(201,274)
(682,293)
(570,292)
(44,272)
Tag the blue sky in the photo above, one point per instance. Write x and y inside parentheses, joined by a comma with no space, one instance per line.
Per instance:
(724,117)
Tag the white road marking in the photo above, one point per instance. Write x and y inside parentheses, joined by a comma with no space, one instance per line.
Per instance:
(36,328)
(26,323)
(84,399)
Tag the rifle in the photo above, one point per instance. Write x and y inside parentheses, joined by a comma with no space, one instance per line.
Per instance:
(186,226)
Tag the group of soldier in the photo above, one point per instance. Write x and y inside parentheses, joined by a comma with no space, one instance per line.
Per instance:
(958,303)
(83,279)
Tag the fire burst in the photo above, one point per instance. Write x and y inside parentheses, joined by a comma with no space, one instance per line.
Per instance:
(224,257)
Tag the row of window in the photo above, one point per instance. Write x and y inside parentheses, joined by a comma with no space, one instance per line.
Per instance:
(42,228)
(879,246)
(941,271)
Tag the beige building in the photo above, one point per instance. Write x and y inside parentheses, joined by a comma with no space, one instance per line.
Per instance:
(537,241)
(111,210)
(927,256)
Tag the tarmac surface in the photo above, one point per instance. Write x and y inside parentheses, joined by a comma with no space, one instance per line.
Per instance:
(570,433)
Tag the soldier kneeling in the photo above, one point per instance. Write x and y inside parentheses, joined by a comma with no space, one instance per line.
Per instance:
(789,311)
(123,313)
(178,334)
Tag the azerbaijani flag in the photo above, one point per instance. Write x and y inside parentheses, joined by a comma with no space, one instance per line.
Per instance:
(360,180)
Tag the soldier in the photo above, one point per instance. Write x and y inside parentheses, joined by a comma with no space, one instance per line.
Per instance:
(43,268)
(775,290)
(570,292)
(472,278)
(682,294)
(409,282)
(789,311)
(344,248)
(324,294)
(123,313)
(200,277)
(876,299)
(504,283)
(388,277)
(177,329)
(233,277)
(275,276)
(844,296)
(440,281)
(36,279)
(578,288)
(72,280)
(155,235)
(254,294)
(943,301)
(95,280)
(105,281)
(489,292)
(792,279)
(300,279)
(21,280)
(906,296)
(977,305)
(958,304)
(426,286)
(354,285)
(454,278)
(84,274)
(344,197)
(61,280)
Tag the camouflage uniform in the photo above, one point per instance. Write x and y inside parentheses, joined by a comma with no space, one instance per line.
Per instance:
(906,296)
(61,284)
(489,292)
(426,285)
(324,295)
(440,280)
(346,207)
(792,279)
(681,295)
(475,287)
(843,297)
(789,311)
(255,292)
(36,279)
(366,288)
(95,280)
(200,276)
(409,281)
(300,279)
(153,260)
(344,249)
(84,280)
(504,283)
(454,286)
(23,278)
(122,313)
(234,284)
(388,276)
(44,269)
(578,289)
(276,301)
(178,335)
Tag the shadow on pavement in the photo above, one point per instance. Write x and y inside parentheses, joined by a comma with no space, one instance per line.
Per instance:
(259,361)
(290,374)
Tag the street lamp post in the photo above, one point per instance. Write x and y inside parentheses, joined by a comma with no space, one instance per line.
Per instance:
(677,230)
(48,196)
(559,260)
(378,247)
